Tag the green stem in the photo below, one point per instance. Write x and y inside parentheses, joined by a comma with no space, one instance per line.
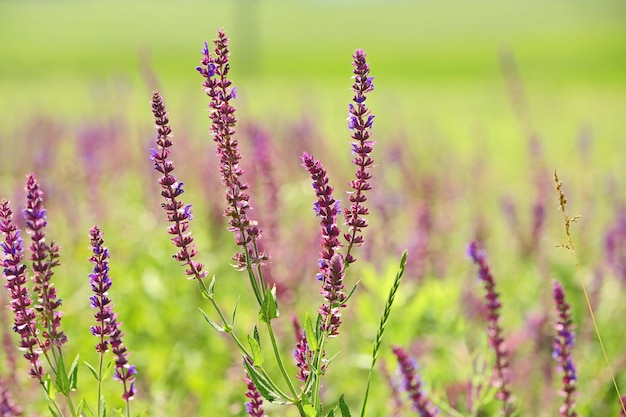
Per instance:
(283,370)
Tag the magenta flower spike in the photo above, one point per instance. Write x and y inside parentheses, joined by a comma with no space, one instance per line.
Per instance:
(360,122)
(214,68)
(331,263)
(108,329)
(254,407)
(14,271)
(562,350)
(177,212)
(412,384)
(494,330)
(44,257)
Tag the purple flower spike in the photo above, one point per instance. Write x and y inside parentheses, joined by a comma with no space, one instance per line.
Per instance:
(332,290)
(108,329)
(494,330)
(177,212)
(562,350)
(303,356)
(220,90)
(254,407)
(44,257)
(412,384)
(14,272)
(360,123)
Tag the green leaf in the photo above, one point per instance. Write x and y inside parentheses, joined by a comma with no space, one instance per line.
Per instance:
(331,413)
(52,412)
(207,293)
(49,388)
(345,411)
(84,407)
(264,386)
(74,374)
(269,310)
(311,337)
(212,323)
(255,333)
(257,354)
(108,370)
(309,410)
(235,310)
(61,380)
(93,370)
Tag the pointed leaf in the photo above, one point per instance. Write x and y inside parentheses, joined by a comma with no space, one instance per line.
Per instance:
(73,379)
(93,370)
(311,337)
(264,386)
(255,334)
(235,310)
(212,323)
(309,410)
(269,310)
(345,411)
(331,413)
(207,293)
(257,354)
(52,412)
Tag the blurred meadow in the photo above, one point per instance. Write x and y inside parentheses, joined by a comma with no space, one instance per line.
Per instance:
(476,104)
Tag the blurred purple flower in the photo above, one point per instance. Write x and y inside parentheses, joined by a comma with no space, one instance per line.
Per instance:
(494,330)
(562,350)
(108,328)
(15,273)
(360,122)
(8,408)
(44,257)
(177,212)
(412,384)
(615,245)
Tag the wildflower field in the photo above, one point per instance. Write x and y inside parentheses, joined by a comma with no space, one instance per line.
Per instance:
(312,208)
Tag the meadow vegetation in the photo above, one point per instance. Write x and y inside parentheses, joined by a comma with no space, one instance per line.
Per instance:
(472,118)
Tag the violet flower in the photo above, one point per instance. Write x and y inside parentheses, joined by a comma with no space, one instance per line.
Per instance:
(254,407)
(214,68)
(562,350)
(25,319)
(108,329)
(494,330)
(331,263)
(360,122)
(303,355)
(44,257)
(177,212)
(412,384)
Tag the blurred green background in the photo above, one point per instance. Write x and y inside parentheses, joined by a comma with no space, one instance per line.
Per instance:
(76,78)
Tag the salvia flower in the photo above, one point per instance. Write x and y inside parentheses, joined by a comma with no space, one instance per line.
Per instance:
(327,208)
(412,384)
(25,323)
(331,263)
(303,355)
(360,121)
(562,350)
(214,68)
(494,330)
(108,329)
(177,212)
(254,407)
(44,257)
